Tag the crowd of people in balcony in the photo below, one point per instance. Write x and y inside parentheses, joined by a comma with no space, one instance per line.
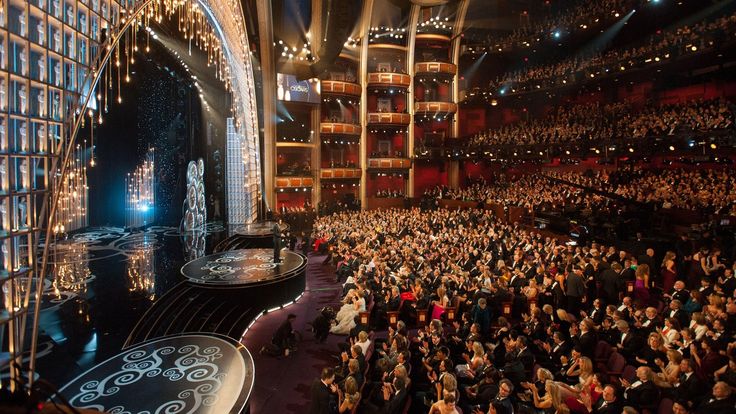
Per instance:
(595,123)
(522,323)
(295,169)
(665,45)
(388,193)
(707,191)
(583,16)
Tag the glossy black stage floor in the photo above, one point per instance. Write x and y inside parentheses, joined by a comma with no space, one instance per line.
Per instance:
(190,332)
(253,235)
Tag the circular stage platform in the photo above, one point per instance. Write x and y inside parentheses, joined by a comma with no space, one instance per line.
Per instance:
(206,374)
(244,268)
(260,229)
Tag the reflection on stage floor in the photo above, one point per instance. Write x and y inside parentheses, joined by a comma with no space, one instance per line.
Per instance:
(101,281)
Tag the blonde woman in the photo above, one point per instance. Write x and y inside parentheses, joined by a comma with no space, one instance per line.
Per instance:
(698,325)
(348,399)
(581,368)
(441,303)
(552,400)
(474,364)
(671,371)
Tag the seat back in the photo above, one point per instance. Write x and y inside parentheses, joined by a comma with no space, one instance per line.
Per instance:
(615,365)
(665,406)
(629,373)
(602,351)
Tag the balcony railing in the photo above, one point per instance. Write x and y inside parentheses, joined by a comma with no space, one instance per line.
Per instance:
(397,80)
(389,163)
(435,67)
(435,108)
(340,173)
(339,128)
(294,182)
(388,118)
(340,88)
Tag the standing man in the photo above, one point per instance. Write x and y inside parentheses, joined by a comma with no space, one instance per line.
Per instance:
(276,230)
(575,290)
(322,392)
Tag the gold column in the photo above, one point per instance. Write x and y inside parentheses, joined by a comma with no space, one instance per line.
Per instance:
(316,152)
(453,169)
(315,37)
(268,73)
(365,26)
(413,19)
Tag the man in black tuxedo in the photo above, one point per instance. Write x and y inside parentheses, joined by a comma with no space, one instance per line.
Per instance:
(612,284)
(394,398)
(677,313)
(727,282)
(597,312)
(524,354)
(642,393)
(628,343)
(722,402)
(609,403)
(322,392)
(679,292)
(690,387)
(575,290)
(587,340)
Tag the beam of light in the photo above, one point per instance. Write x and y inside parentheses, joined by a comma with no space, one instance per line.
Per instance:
(282,112)
(605,38)
(471,71)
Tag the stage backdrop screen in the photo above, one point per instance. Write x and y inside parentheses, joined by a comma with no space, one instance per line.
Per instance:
(290,89)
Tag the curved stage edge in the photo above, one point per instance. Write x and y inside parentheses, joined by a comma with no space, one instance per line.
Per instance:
(226,310)
(203,373)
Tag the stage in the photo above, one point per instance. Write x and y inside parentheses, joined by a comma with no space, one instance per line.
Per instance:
(115,291)
(206,374)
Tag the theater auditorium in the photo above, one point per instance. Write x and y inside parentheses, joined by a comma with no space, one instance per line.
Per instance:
(368,206)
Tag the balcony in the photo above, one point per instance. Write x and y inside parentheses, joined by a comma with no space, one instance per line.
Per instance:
(340,88)
(435,108)
(339,128)
(389,163)
(389,118)
(396,80)
(340,173)
(294,182)
(433,35)
(435,67)
(386,45)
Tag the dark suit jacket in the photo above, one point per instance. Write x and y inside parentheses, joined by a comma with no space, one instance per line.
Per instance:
(575,286)
(645,395)
(691,389)
(395,405)
(631,345)
(320,396)
(527,359)
(713,406)
(587,343)
(613,408)
(611,284)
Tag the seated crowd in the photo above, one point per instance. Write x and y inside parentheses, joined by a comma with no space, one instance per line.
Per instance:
(708,191)
(596,123)
(519,322)
(582,16)
(664,45)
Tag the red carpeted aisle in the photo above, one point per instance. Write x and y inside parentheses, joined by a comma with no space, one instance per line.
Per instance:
(282,385)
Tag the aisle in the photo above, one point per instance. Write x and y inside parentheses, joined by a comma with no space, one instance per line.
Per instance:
(282,385)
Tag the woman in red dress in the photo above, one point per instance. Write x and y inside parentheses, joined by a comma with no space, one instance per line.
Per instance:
(668,272)
(593,391)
